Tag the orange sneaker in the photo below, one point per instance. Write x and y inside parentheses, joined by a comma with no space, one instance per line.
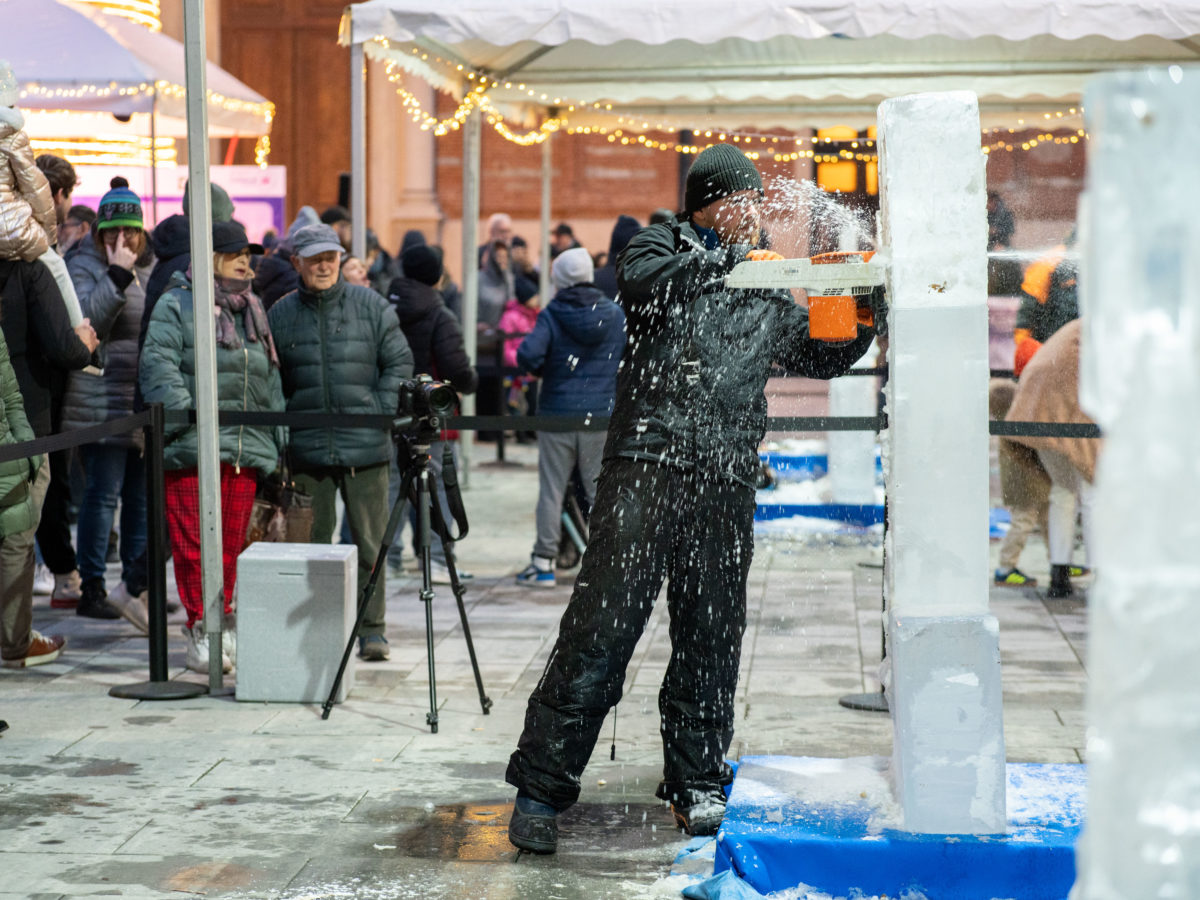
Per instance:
(42,650)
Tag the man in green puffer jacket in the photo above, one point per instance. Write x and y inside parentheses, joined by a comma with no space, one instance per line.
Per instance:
(22,485)
(341,351)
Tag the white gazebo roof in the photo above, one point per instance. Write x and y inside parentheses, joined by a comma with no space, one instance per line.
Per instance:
(771,63)
(74,57)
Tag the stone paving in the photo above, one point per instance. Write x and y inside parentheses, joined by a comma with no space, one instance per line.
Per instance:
(211,797)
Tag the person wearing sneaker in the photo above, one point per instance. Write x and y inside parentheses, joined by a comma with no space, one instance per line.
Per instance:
(43,348)
(1049,392)
(674,503)
(248,379)
(1024,486)
(22,486)
(575,347)
(436,341)
(110,272)
(342,351)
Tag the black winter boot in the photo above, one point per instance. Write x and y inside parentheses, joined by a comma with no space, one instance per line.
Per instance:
(93,601)
(533,826)
(1060,583)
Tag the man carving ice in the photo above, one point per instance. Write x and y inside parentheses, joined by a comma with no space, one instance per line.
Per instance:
(675,501)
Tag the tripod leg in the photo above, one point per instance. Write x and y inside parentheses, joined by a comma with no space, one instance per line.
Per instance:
(389,535)
(423,536)
(459,589)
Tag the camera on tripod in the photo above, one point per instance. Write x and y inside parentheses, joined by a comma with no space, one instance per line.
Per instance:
(425,405)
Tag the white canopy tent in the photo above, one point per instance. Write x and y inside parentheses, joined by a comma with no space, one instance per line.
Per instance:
(771,63)
(79,67)
(670,64)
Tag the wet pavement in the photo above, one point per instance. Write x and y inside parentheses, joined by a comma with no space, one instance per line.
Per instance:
(211,797)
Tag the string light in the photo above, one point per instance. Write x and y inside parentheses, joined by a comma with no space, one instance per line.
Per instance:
(478,97)
(110,151)
(32,89)
(262,150)
(143,12)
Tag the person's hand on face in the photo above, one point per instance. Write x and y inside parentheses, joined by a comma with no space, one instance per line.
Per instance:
(233,265)
(120,253)
(737,219)
(320,271)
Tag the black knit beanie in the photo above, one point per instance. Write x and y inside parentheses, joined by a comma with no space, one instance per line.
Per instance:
(719,171)
(421,263)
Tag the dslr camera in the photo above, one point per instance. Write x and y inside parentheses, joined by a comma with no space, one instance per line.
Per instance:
(425,404)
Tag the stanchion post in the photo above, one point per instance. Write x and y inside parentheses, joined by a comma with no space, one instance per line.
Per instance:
(158,687)
(156,556)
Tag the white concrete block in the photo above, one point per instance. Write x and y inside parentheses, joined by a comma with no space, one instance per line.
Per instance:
(296,611)
(948,736)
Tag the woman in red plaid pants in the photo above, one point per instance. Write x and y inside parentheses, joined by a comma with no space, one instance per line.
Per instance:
(247,379)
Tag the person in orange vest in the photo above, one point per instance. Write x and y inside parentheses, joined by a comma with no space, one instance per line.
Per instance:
(1049,300)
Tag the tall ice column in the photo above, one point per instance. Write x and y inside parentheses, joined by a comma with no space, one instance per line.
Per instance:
(943,687)
(1140,377)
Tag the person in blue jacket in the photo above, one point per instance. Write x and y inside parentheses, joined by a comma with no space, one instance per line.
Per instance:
(575,347)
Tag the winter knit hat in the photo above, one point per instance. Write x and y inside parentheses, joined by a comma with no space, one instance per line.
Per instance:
(8,85)
(421,263)
(572,267)
(719,171)
(220,207)
(119,207)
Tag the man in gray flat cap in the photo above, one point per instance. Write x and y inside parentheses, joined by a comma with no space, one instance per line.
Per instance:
(341,351)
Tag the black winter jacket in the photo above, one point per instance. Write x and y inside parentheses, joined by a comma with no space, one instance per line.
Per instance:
(697,357)
(606,278)
(39,336)
(275,277)
(433,334)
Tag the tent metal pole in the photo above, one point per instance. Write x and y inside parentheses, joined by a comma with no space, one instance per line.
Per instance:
(358,152)
(154,154)
(544,235)
(472,142)
(200,214)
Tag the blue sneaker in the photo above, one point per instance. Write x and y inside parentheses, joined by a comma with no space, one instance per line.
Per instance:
(534,574)
(373,648)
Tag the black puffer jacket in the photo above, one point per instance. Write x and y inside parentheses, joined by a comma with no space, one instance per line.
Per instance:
(41,342)
(433,334)
(690,390)
(606,278)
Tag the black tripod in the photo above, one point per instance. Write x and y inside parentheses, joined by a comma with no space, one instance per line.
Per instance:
(413,438)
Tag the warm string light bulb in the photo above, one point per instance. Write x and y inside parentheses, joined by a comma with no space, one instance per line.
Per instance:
(478,97)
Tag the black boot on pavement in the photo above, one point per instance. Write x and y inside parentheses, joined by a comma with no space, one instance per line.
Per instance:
(1060,583)
(703,816)
(93,601)
(534,826)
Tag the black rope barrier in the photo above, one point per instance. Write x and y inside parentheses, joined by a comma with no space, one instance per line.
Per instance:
(158,423)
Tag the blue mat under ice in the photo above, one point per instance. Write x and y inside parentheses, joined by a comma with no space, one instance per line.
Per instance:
(853,513)
(804,821)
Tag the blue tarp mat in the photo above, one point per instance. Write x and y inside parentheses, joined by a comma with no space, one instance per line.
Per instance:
(999,519)
(853,513)
(805,466)
(775,838)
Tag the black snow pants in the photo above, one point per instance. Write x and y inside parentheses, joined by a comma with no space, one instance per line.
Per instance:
(649,522)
